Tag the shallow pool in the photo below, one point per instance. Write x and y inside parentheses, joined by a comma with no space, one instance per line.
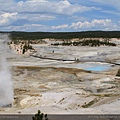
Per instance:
(94,66)
(98,68)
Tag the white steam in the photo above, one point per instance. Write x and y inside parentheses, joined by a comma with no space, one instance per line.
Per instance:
(6,86)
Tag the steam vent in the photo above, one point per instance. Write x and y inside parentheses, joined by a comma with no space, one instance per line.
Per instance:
(7,106)
(6,85)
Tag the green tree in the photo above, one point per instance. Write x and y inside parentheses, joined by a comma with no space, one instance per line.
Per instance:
(39,116)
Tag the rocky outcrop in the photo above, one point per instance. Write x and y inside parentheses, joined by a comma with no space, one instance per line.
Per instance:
(21,47)
(118,73)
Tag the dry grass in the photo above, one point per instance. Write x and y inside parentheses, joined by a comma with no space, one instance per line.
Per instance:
(87,105)
(106,95)
(66,70)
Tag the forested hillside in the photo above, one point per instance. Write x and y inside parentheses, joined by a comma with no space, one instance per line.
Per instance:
(63,35)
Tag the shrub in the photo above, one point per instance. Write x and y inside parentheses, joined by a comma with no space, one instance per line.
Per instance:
(39,116)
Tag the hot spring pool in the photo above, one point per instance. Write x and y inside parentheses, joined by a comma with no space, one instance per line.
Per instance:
(94,66)
(98,68)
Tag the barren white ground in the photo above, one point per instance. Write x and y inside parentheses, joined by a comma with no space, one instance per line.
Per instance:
(66,86)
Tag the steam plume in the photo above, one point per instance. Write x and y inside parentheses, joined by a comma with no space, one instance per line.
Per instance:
(6,86)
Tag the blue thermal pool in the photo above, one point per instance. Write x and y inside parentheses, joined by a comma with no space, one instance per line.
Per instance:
(94,66)
(98,68)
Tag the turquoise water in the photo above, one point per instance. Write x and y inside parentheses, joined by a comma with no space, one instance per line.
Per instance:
(98,68)
(93,66)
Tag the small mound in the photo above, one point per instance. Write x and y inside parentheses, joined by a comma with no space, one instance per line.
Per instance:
(118,73)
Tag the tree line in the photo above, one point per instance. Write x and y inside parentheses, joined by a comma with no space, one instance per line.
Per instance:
(90,43)
(17,35)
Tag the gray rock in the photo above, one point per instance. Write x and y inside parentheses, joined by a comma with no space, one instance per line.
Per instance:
(118,73)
